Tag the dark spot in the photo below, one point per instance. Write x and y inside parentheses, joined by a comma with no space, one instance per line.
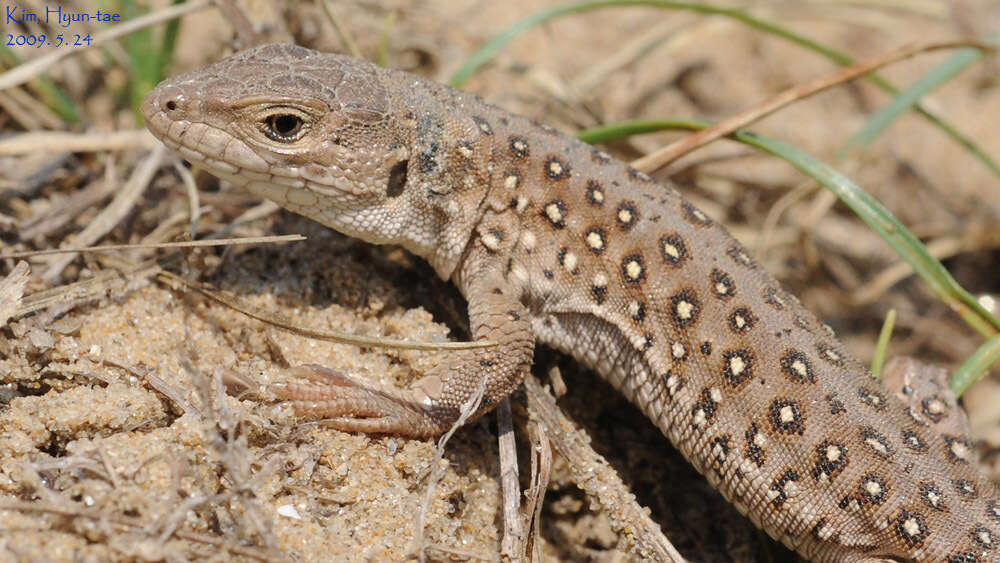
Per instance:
(722,284)
(633,268)
(830,354)
(637,310)
(993,511)
(934,408)
(742,320)
(779,487)
(706,348)
(872,398)
(672,249)
(914,442)
(959,449)
(595,193)
(685,308)
(831,459)
(647,341)
(983,536)
(911,528)
(599,292)
(694,215)
(753,451)
(875,441)
(483,125)
(513,315)
(739,256)
(738,366)
(797,367)
(963,557)
(836,405)
(720,448)
(548,274)
(556,169)
(773,297)
(704,410)
(872,489)
(427,160)
(555,212)
(600,156)
(397,179)
(595,239)
(519,146)
(966,488)
(627,215)
(787,417)
(932,496)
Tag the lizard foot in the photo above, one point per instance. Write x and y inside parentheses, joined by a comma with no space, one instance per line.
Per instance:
(345,403)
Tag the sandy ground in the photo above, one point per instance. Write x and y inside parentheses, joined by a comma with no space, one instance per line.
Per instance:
(117,441)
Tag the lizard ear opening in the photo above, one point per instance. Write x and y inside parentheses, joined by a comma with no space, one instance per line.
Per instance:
(397,179)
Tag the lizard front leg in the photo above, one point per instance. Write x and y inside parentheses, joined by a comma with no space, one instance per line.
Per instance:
(434,403)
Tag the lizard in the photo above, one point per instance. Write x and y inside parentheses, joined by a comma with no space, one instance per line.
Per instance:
(552,240)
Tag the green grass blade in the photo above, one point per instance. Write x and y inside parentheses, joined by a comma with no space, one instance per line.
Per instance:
(907,99)
(975,366)
(495,45)
(882,347)
(869,210)
(54,97)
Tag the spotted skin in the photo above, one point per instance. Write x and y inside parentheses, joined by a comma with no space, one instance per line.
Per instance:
(554,241)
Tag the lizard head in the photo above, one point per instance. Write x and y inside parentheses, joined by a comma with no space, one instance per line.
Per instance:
(313,132)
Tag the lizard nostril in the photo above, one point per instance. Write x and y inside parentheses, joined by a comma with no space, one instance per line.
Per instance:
(171,105)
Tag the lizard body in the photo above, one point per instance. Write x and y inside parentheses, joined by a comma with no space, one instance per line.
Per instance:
(552,240)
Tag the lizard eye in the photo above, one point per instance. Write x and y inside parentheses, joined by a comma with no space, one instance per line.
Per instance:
(283,127)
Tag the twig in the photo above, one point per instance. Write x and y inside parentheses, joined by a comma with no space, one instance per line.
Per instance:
(35,67)
(597,478)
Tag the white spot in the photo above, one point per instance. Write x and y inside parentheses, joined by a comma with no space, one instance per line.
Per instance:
(600,280)
(935,406)
(786,414)
(933,498)
(721,288)
(555,168)
(569,262)
(873,488)
(553,212)
(672,383)
(699,215)
(876,445)
(715,394)
(678,350)
(911,527)
(634,309)
(832,453)
(985,538)
(633,270)
(736,365)
(800,368)
(699,417)
(739,321)
(465,150)
(671,251)
(511,182)
(522,204)
(528,240)
(595,240)
(684,309)
(625,215)
(520,146)
(597,195)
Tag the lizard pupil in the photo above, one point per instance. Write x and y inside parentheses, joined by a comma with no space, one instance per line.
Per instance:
(283,127)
